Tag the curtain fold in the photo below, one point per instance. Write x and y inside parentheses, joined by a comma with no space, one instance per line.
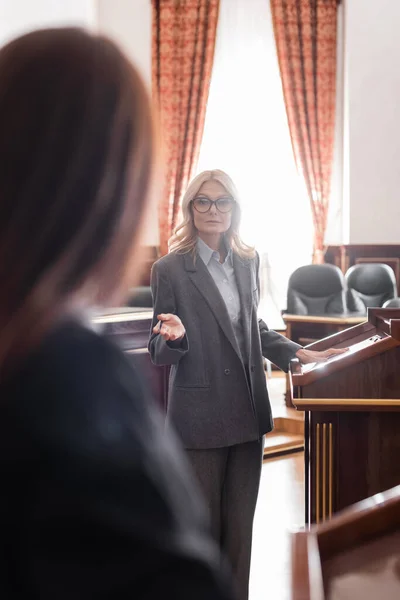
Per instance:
(306,37)
(183,42)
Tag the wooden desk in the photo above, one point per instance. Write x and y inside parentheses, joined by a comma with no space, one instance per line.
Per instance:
(313,328)
(355,555)
(352,415)
(130,329)
(306,329)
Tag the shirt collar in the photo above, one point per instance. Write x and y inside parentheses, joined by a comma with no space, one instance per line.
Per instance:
(206,253)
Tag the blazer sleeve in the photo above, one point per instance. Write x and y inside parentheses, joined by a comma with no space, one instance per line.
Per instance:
(162,352)
(274,346)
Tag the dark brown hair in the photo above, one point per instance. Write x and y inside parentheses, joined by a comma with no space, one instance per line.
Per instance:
(76,154)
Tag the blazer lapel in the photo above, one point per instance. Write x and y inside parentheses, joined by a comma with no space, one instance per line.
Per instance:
(201,278)
(245,287)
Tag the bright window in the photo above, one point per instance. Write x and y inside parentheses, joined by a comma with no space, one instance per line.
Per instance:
(246,134)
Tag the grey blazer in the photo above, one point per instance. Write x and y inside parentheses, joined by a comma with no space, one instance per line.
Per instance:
(215,400)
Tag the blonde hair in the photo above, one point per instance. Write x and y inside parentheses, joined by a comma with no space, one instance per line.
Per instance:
(185,236)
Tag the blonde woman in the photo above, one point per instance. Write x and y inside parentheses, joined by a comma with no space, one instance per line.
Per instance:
(206,293)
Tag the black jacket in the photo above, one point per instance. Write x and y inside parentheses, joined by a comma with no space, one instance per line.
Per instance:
(95,501)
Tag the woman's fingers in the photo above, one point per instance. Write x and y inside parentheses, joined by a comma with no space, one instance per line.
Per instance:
(169,327)
(165,317)
(157,327)
(169,318)
(176,335)
(335,351)
(320,357)
(165,332)
(172,334)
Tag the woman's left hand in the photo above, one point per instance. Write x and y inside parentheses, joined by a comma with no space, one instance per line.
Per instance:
(313,356)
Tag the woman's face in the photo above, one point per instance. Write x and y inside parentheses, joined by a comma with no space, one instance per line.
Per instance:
(213,221)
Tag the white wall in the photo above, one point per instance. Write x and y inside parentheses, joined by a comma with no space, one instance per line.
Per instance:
(372,44)
(20,16)
(335,231)
(128,22)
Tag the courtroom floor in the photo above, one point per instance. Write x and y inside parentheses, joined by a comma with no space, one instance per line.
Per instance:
(276,388)
(280,509)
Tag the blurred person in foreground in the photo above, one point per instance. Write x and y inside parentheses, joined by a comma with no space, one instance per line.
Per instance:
(96,500)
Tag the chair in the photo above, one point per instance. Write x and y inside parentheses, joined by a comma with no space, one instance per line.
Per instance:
(393,303)
(316,290)
(140,297)
(370,285)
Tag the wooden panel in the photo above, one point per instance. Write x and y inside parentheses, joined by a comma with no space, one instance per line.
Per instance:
(305,329)
(307,581)
(130,329)
(379,337)
(322,467)
(347,255)
(355,555)
(375,377)
(352,456)
(366,461)
(353,420)
(369,571)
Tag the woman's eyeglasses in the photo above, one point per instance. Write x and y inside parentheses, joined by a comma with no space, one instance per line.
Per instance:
(203,205)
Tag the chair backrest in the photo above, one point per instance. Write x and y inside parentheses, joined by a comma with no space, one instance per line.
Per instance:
(316,290)
(370,285)
(140,297)
(393,303)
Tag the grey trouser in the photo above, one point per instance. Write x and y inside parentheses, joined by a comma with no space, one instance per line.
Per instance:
(230,479)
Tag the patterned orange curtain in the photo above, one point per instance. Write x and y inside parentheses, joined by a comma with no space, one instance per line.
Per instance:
(305,33)
(184,33)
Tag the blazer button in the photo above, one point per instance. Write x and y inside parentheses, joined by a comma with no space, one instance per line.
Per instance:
(252,368)
(227,371)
